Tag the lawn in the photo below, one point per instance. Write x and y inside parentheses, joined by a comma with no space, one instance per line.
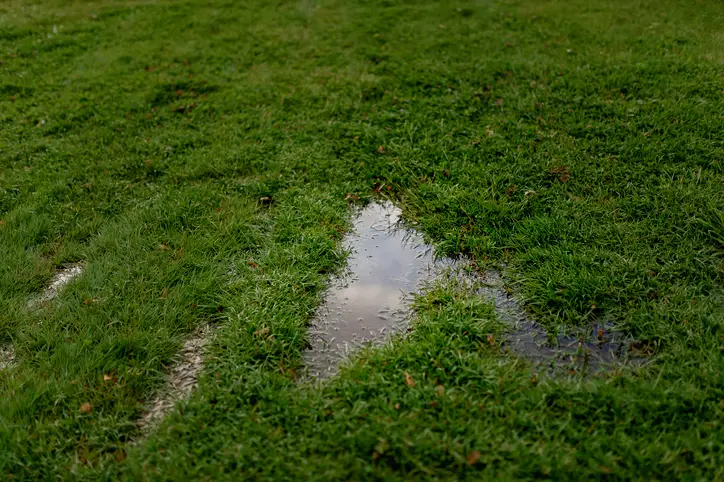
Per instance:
(195,158)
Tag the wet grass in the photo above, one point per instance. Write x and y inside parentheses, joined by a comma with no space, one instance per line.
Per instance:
(577,142)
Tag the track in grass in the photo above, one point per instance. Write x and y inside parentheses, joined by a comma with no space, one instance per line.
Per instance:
(60,279)
(181,378)
(7,357)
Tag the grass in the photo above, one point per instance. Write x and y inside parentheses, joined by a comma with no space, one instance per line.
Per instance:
(578,143)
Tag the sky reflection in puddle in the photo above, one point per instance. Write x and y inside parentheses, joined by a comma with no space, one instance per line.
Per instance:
(370,302)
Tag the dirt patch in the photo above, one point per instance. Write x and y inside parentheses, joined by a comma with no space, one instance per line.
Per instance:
(181,379)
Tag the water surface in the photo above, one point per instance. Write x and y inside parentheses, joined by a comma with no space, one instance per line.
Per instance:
(388,262)
(370,301)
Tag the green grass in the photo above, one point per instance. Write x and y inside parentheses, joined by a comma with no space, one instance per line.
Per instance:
(579,143)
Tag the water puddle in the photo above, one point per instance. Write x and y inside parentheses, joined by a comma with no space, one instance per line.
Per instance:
(370,302)
(181,379)
(62,277)
(594,349)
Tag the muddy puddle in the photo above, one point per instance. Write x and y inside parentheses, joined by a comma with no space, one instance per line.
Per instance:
(388,263)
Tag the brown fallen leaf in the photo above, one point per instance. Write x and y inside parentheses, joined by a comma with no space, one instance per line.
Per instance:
(351,196)
(381,150)
(562,173)
(107,377)
(473,457)
(120,455)
(262,331)
(491,340)
(408,379)
(86,408)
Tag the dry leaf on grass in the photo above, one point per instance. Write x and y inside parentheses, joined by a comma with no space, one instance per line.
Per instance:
(408,379)
(473,457)
(262,332)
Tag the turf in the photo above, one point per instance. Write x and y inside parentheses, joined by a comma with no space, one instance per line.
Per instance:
(579,144)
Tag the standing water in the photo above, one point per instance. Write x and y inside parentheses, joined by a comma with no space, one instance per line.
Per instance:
(387,263)
(370,301)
